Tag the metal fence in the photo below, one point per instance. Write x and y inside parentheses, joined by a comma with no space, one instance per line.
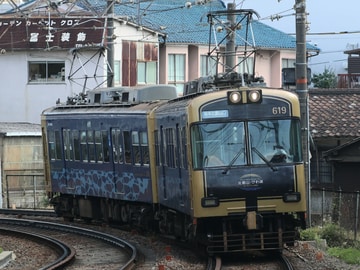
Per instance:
(336,207)
(24,191)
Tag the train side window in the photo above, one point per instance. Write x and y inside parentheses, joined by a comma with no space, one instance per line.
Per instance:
(67,146)
(105,145)
(183,148)
(144,148)
(91,145)
(117,145)
(136,147)
(177,147)
(170,147)
(157,148)
(76,144)
(101,146)
(162,147)
(52,144)
(83,146)
(98,146)
(58,154)
(127,147)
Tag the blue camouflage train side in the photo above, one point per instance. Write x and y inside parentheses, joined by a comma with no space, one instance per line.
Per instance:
(107,180)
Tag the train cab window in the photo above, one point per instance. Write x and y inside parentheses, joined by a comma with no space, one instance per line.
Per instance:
(83,147)
(275,141)
(127,147)
(218,144)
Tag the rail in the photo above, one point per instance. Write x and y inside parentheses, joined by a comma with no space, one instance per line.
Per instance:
(115,241)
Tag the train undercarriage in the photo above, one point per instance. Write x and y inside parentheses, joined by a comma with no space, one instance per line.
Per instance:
(217,234)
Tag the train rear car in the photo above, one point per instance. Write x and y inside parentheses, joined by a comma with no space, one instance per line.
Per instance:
(98,155)
(232,162)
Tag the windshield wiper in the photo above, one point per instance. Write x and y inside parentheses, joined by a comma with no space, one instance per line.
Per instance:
(264,159)
(233,161)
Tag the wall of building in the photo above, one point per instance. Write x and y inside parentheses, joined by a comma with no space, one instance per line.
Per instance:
(23,100)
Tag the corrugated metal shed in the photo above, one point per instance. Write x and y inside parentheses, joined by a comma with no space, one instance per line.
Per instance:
(13,129)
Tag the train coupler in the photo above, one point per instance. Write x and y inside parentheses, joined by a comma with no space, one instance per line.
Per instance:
(253,221)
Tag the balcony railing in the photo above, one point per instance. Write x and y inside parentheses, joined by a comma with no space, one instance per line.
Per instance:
(348,80)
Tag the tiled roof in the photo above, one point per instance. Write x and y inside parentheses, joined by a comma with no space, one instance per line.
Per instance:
(19,129)
(190,25)
(334,113)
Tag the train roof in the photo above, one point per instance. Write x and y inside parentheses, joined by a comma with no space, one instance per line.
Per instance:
(116,100)
(141,108)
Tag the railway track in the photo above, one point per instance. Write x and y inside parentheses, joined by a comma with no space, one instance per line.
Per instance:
(26,227)
(26,212)
(65,253)
(212,263)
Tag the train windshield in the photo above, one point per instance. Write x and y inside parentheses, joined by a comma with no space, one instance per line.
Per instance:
(246,143)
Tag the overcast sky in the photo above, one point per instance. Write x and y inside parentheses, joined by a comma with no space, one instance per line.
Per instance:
(324,17)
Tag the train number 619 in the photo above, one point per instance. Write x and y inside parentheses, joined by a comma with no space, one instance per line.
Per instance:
(279,110)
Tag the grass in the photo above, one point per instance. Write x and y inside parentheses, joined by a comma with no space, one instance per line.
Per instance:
(339,246)
(349,255)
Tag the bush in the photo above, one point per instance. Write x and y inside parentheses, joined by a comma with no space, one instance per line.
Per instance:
(335,236)
(310,234)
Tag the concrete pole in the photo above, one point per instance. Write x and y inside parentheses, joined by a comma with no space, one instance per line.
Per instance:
(302,91)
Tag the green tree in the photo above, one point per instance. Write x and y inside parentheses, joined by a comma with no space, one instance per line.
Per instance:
(327,79)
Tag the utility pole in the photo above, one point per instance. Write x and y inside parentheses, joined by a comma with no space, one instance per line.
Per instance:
(302,91)
(230,44)
(110,43)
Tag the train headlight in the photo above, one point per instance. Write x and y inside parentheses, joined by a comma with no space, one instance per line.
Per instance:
(244,97)
(254,96)
(234,97)
(292,197)
(209,202)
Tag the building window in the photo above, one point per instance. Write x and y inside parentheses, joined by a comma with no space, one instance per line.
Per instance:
(146,72)
(246,65)
(46,72)
(117,74)
(208,66)
(288,63)
(176,71)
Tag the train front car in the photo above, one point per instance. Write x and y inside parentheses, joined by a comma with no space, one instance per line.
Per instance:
(247,173)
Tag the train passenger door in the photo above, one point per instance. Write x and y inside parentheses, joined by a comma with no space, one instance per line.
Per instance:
(170,166)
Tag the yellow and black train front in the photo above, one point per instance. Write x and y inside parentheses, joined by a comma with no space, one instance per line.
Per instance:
(247,172)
